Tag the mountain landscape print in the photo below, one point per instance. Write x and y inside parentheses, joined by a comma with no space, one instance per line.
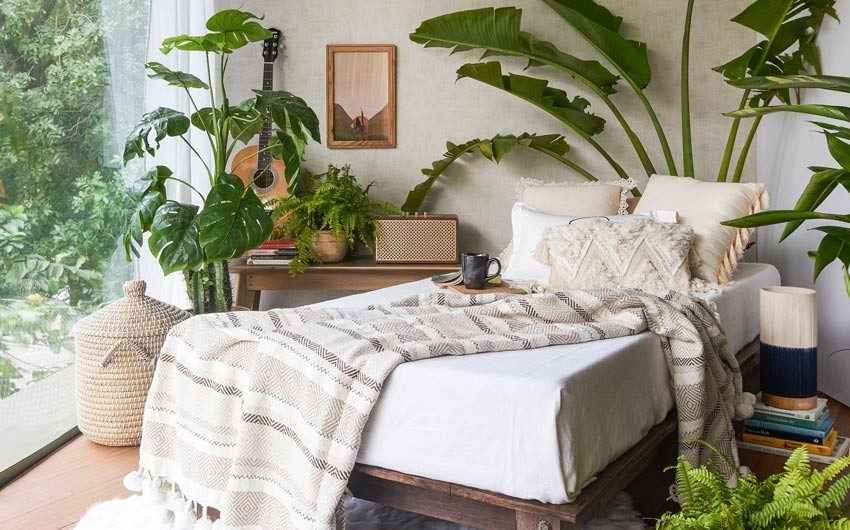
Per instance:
(361,98)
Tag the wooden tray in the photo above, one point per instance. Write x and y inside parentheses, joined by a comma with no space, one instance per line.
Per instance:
(490,289)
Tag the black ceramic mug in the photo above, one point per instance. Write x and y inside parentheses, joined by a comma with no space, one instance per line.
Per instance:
(476,268)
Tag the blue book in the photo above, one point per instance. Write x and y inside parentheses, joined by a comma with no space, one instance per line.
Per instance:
(792,432)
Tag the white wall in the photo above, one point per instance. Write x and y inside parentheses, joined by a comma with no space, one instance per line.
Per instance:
(786,146)
(432,108)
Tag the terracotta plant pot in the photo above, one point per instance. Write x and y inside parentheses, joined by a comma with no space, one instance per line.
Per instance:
(329,248)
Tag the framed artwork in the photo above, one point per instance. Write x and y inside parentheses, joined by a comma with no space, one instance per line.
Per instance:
(361,109)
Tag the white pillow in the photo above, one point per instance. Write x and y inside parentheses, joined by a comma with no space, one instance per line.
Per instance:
(575,198)
(703,205)
(528,226)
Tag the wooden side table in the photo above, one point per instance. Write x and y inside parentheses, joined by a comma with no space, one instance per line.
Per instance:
(360,274)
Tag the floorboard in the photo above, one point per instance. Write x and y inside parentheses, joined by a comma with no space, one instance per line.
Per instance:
(58,491)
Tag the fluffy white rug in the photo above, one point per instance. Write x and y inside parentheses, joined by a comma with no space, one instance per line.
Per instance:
(137,513)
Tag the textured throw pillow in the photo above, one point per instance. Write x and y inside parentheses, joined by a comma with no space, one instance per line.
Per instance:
(575,199)
(703,205)
(578,199)
(637,252)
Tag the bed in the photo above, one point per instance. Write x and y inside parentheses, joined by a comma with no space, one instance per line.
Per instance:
(511,439)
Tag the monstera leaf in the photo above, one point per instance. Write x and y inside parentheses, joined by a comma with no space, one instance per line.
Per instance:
(230,29)
(243,121)
(600,28)
(536,91)
(297,124)
(494,149)
(289,113)
(174,78)
(150,193)
(498,33)
(164,122)
(174,237)
(233,220)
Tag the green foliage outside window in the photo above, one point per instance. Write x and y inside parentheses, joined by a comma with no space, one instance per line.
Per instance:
(63,199)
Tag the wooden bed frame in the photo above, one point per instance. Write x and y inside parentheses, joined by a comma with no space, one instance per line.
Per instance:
(493,511)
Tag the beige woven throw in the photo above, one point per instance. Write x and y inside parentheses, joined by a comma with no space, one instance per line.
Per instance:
(260,415)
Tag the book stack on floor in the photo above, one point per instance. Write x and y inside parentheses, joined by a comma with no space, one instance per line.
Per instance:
(273,252)
(780,431)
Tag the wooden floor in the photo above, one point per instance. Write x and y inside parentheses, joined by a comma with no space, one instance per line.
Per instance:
(57,492)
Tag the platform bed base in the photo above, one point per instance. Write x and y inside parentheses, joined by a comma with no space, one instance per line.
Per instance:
(492,511)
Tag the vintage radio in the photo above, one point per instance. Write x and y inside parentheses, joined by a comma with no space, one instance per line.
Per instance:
(419,238)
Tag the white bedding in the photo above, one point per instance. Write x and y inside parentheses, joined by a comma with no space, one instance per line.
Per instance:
(534,424)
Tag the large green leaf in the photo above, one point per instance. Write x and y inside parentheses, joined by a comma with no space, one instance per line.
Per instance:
(835,245)
(775,82)
(773,217)
(289,112)
(174,78)
(233,220)
(839,149)
(825,111)
(141,221)
(571,112)
(164,121)
(491,148)
(243,121)
(230,29)
(600,28)
(174,237)
(837,130)
(498,33)
(820,186)
(764,16)
(289,148)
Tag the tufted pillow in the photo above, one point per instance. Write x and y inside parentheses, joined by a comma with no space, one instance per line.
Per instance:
(639,253)
(703,205)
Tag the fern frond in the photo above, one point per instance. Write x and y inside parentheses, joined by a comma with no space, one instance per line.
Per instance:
(835,494)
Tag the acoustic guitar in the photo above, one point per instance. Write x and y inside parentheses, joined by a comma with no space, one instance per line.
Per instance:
(262,172)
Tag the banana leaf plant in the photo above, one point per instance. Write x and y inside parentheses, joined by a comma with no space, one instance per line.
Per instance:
(789,27)
(835,243)
(199,240)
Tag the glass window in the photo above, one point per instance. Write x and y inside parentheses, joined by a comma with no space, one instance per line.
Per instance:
(71,82)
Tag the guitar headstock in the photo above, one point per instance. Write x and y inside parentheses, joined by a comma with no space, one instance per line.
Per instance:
(271,46)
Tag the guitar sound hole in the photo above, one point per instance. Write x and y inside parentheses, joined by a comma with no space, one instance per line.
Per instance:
(264,179)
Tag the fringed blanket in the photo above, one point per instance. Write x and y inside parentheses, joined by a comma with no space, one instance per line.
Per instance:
(260,415)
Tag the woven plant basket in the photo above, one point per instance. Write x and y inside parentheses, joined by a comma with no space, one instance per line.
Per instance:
(117,347)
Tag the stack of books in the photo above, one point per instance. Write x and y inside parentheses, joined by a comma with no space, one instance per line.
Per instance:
(780,431)
(273,252)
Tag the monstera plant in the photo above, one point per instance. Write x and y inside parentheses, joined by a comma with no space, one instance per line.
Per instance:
(789,29)
(198,240)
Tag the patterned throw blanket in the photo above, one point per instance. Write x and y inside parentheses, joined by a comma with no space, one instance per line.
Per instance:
(260,415)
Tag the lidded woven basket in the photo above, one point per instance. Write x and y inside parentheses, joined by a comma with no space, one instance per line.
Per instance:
(117,347)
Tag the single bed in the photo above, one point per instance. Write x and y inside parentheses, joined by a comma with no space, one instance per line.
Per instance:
(535,425)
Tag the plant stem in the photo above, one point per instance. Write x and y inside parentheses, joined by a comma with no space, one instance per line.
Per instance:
(745,150)
(687,141)
(181,181)
(730,141)
(569,163)
(268,147)
(182,137)
(617,167)
(221,304)
(659,130)
(633,138)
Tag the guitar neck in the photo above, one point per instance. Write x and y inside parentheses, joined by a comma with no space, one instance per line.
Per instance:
(265,134)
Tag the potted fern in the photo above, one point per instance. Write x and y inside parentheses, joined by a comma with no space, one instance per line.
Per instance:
(184,237)
(331,215)
(799,497)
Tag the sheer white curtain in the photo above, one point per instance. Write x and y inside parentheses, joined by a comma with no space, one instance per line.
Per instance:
(169,18)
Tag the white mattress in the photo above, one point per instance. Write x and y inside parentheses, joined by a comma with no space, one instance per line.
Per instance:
(534,424)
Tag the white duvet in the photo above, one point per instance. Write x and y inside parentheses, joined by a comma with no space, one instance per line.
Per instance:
(534,424)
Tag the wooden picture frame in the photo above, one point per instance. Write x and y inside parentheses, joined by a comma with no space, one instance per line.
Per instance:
(355,99)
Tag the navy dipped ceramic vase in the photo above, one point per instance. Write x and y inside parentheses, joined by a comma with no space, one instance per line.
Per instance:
(789,335)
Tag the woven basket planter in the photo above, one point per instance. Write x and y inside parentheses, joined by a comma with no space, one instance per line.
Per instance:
(117,347)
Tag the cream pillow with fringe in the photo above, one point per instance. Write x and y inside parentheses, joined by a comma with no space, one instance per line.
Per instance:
(638,253)
(704,205)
